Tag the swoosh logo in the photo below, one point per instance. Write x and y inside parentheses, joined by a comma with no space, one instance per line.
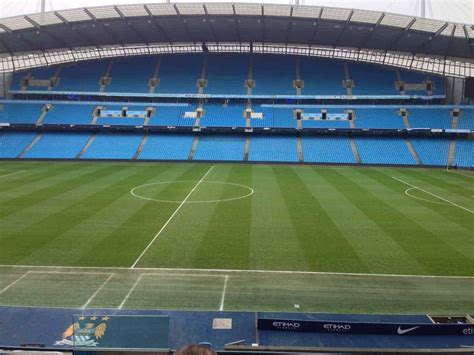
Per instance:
(401,331)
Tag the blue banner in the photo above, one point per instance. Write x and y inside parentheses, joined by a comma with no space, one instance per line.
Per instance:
(333,327)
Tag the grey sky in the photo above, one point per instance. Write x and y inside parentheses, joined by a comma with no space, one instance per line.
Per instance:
(451,10)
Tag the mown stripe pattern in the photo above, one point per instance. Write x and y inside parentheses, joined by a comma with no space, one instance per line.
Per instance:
(338,219)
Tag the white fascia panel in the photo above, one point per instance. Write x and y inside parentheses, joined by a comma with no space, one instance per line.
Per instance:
(75,15)
(219,9)
(427,25)
(191,9)
(248,9)
(48,18)
(162,9)
(306,11)
(133,10)
(393,20)
(331,13)
(16,23)
(370,17)
(104,12)
(277,10)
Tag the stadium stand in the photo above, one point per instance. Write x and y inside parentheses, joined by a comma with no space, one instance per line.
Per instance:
(83,77)
(274,149)
(167,147)
(227,74)
(12,143)
(20,113)
(223,116)
(125,80)
(327,150)
(429,118)
(178,74)
(322,77)
(431,151)
(377,117)
(384,151)
(372,80)
(69,114)
(266,82)
(168,115)
(220,147)
(113,146)
(464,153)
(51,146)
(466,119)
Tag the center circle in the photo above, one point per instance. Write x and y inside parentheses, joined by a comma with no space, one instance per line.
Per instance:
(136,193)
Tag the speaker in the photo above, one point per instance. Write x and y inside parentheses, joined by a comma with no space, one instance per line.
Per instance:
(469,88)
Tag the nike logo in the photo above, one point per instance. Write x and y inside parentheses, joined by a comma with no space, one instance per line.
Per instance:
(401,331)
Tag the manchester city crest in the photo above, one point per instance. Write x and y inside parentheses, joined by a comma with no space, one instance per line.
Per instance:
(86,332)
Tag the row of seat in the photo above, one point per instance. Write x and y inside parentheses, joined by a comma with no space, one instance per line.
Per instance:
(226,74)
(233,116)
(380,150)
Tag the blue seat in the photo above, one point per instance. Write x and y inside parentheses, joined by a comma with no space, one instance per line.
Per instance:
(113,146)
(56,145)
(13,143)
(220,147)
(273,148)
(167,147)
(327,150)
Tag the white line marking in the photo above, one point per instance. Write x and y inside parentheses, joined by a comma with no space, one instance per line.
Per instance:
(169,219)
(221,307)
(68,272)
(14,282)
(97,291)
(130,292)
(14,173)
(423,199)
(432,194)
(134,194)
(239,271)
(459,173)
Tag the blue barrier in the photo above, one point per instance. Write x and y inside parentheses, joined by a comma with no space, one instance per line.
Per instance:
(225,96)
(309,326)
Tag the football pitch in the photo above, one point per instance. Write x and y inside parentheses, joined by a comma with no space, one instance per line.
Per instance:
(236,237)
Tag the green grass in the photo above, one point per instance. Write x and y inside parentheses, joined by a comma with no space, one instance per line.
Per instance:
(300,218)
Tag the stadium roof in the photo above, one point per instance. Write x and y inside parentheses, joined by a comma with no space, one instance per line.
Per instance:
(234,22)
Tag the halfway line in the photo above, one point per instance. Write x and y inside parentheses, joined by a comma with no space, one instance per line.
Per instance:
(432,194)
(169,219)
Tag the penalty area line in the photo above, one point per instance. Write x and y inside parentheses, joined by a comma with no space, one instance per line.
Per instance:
(171,217)
(14,173)
(432,194)
(221,307)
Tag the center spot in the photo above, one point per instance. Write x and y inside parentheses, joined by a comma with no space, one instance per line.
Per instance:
(176,191)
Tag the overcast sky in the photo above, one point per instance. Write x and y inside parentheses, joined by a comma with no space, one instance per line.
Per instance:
(450,10)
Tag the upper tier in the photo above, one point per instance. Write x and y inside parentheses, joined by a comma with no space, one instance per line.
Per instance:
(231,74)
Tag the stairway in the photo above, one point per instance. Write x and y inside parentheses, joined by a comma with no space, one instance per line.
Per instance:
(202,82)
(355,151)
(298,77)
(141,146)
(106,77)
(193,148)
(300,149)
(452,150)
(347,78)
(154,80)
(29,146)
(40,119)
(406,121)
(246,148)
(452,144)
(413,152)
(88,144)
(250,83)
